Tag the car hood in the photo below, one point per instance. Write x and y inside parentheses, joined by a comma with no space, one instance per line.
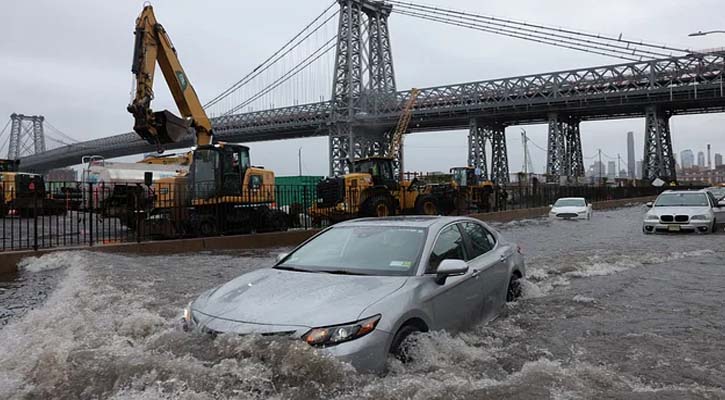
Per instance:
(679,210)
(276,297)
(562,210)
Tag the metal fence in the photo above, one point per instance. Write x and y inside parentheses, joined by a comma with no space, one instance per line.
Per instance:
(73,214)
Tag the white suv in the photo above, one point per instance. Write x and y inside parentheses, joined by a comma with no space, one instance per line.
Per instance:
(684,211)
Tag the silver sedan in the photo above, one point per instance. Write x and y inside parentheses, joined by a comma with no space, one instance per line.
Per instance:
(357,290)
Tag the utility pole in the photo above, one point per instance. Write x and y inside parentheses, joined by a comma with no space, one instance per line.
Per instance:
(526,151)
(299,159)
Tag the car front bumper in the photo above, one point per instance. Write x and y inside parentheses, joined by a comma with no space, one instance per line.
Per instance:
(703,226)
(571,216)
(368,353)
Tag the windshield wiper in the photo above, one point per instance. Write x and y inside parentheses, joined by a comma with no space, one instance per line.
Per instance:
(295,269)
(339,272)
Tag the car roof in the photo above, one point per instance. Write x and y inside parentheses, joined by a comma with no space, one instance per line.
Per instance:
(571,198)
(406,221)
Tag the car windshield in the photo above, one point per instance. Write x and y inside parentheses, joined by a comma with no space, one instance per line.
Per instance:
(364,250)
(682,200)
(570,203)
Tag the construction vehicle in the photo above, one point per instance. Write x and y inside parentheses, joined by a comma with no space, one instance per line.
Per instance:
(24,194)
(222,192)
(469,191)
(372,189)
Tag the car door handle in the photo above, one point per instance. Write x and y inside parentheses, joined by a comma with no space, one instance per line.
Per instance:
(475,273)
(503,258)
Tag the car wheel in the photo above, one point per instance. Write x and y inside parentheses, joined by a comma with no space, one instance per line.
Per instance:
(400,347)
(714,226)
(515,290)
(378,206)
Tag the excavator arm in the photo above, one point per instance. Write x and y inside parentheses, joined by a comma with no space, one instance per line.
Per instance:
(153,46)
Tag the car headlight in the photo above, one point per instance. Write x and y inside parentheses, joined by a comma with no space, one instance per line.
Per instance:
(582,212)
(332,335)
(700,218)
(188,321)
(651,218)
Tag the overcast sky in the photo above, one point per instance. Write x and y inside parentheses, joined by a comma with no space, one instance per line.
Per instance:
(70,61)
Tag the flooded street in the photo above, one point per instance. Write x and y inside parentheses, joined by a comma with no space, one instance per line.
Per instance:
(607,313)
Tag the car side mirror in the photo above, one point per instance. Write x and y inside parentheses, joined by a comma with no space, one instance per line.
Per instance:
(551,206)
(649,204)
(450,268)
(281,256)
(721,204)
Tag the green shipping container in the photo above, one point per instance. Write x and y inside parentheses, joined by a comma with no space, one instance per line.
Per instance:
(298,190)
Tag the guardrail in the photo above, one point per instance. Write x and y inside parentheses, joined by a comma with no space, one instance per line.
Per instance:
(75,214)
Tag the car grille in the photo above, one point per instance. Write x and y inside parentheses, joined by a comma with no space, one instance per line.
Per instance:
(679,219)
(281,334)
(566,215)
(330,192)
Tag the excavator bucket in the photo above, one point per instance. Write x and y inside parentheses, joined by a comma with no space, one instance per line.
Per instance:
(169,127)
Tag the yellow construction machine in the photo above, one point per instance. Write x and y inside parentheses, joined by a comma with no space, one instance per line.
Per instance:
(222,192)
(372,189)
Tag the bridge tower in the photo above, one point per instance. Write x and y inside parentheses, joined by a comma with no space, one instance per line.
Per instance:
(564,155)
(363,83)
(26,135)
(480,132)
(659,160)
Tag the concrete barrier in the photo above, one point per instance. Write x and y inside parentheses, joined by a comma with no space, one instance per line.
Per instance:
(10,260)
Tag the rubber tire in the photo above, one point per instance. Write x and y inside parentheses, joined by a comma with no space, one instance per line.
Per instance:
(424,201)
(397,349)
(370,207)
(714,226)
(514,290)
(207,228)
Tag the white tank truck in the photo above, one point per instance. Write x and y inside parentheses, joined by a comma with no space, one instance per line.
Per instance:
(119,190)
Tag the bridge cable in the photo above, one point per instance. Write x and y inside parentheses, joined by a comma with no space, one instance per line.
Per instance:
(544,27)
(529,37)
(535,32)
(61,133)
(316,55)
(265,65)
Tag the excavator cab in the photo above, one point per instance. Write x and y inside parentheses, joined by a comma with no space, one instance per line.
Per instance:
(379,168)
(219,170)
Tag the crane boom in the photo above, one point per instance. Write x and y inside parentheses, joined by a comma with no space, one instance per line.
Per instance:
(152,46)
(397,139)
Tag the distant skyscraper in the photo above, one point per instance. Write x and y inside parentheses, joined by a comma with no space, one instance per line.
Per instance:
(611,170)
(631,168)
(687,159)
(718,160)
(709,159)
(701,159)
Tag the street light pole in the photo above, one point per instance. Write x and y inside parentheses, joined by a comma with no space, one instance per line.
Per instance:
(701,33)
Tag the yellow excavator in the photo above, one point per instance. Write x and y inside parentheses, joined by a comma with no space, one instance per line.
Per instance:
(372,189)
(223,192)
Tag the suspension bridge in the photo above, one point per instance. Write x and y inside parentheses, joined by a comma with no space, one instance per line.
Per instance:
(336,78)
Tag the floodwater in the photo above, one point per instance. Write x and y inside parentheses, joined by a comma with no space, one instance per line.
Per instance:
(608,313)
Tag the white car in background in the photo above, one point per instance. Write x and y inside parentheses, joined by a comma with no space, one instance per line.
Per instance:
(571,208)
(684,211)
